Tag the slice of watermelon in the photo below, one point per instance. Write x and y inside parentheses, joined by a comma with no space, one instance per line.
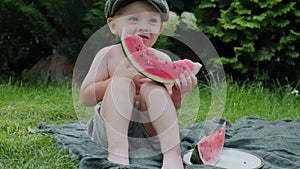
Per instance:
(146,61)
(209,148)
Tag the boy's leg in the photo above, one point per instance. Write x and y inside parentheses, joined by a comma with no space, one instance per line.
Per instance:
(116,111)
(162,115)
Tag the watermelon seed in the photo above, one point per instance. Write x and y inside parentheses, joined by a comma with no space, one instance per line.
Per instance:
(174,67)
(245,162)
(141,55)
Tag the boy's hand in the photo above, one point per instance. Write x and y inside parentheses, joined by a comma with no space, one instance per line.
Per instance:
(139,80)
(184,83)
(136,77)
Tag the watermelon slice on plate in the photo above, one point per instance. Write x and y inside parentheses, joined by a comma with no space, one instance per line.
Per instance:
(146,61)
(208,150)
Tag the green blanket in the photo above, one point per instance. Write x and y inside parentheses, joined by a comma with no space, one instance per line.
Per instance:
(277,142)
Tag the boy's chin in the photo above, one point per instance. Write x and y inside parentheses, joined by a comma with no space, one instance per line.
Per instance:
(148,43)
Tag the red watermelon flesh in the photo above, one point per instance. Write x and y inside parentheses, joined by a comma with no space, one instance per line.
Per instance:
(146,61)
(209,148)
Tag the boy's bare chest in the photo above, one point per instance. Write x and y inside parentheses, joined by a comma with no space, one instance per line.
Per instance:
(117,62)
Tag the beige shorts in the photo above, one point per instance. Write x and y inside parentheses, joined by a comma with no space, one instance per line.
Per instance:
(140,144)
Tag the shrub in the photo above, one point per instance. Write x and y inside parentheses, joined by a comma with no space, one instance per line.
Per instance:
(31,30)
(256,39)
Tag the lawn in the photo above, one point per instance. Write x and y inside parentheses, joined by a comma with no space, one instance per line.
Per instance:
(24,106)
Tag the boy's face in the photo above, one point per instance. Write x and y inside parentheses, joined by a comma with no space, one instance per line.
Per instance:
(137,18)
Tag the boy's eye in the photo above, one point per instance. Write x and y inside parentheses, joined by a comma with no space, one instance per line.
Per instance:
(133,18)
(153,20)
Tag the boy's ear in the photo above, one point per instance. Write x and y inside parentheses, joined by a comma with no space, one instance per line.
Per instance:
(161,28)
(112,26)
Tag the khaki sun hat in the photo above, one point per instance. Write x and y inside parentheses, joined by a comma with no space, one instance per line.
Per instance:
(112,6)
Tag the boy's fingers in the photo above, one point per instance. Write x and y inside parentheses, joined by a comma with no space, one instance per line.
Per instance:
(194,79)
(183,81)
(188,79)
(143,80)
(177,84)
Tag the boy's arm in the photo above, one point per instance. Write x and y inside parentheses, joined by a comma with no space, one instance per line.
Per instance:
(182,85)
(176,96)
(96,81)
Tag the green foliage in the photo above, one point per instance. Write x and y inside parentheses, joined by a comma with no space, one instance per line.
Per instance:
(257,39)
(32,29)
(171,25)
(94,19)
(179,5)
(17,44)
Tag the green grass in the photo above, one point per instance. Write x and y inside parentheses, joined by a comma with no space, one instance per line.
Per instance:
(253,99)
(24,106)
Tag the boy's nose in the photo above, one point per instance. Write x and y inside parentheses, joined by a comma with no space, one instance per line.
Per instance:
(143,28)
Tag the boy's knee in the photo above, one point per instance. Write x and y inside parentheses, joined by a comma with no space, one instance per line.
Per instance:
(150,87)
(153,93)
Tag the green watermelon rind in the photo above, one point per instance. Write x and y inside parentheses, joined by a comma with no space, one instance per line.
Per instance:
(143,71)
(196,157)
(139,68)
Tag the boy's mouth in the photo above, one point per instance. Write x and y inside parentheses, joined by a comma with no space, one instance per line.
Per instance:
(144,37)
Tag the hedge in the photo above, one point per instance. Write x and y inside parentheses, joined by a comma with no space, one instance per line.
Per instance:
(256,39)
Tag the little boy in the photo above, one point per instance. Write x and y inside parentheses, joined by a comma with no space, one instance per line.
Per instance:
(133,111)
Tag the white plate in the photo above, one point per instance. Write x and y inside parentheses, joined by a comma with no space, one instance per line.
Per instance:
(233,159)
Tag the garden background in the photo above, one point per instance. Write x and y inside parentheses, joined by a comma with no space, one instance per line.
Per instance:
(257,41)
